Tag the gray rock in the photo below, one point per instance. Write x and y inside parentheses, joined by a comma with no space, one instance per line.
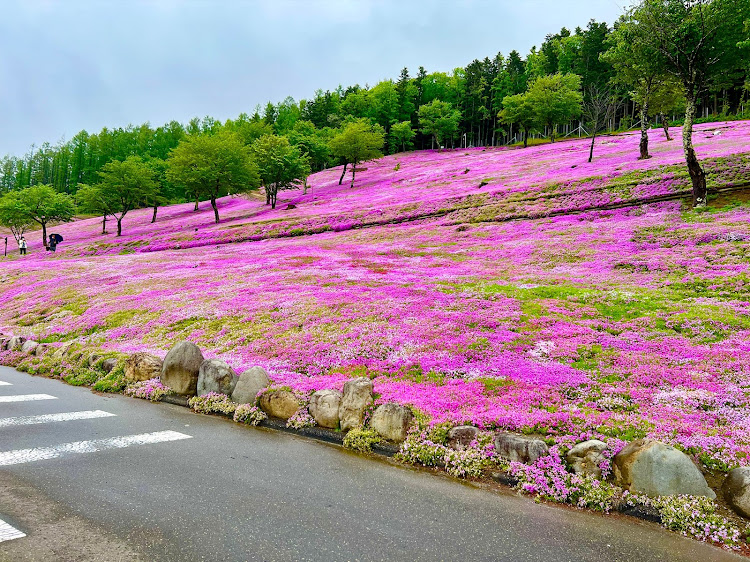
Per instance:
(41,349)
(653,468)
(586,457)
(392,421)
(357,397)
(215,375)
(519,448)
(180,368)
(279,404)
(4,340)
(460,437)
(324,408)
(142,366)
(29,346)
(109,364)
(16,343)
(736,490)
(92,359)
(250,383)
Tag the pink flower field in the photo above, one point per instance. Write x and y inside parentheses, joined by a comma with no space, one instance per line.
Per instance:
(508,288)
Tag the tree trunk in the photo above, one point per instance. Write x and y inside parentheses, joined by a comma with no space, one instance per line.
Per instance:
(104,224)
(591,150)
(644,155)
(525,138)
(119,226)
(196,204)
(44,234)
(697,175)
(153,218)
(354,172)
(341,179)
(665,126)
(551,133)
(216,209)
(272,193)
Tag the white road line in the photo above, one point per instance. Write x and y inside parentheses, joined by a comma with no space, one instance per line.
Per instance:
(48,418)
(26,397)
(3,383)
(8,533)
(44,453)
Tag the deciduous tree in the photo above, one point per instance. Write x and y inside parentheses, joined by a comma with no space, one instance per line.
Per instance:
(44,205)
(280,165)
(440,120)
(358,142)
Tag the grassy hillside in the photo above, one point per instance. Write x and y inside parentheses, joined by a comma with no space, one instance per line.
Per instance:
(484,286)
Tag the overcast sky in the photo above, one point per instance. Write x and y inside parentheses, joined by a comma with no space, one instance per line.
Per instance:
(69,65)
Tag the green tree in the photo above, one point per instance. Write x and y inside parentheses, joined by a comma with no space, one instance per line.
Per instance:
(91,199)
(402,135)
(14,215)
(212,166)
(517,110)
(44,205)
(280,165)
(556,99)
(697,41)
(358,142)
(124,186)
(440,120)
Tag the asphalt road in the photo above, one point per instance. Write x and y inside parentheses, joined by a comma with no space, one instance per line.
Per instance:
(203,488)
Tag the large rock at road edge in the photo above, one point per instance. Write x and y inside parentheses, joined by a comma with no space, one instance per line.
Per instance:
(736,490)
(357,397)
(109,364)
(586,457)
(180,368)
(250,383)
(392,421)
(29,347)
(279,403)
(461,436)
(142,366)
(16,343)
(519,448)
(215,375)
(654,468)
(324,408)
(41,349)
(63,350)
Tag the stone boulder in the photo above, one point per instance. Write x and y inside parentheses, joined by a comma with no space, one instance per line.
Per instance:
(324,408)
(63,350)
(29,347)
(519,448)
(216,376)
(279,403)
(4,340)
(93,359)
(16,343)
(460,437)
(357,397)
(250,383)
(736,490)
(392,421)
(654,468)
(180,368)
(41,349)
(108,365)
(586,457)
(142,366)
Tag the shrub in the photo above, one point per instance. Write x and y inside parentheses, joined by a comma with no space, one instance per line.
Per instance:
(361,439)
(300,419)
(151,389)
(213,402)
(82,377)
(249,414)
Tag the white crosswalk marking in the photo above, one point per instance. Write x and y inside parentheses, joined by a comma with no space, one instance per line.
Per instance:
(44,453)
(3,383)
(48,418)
(8,533)
(26,397)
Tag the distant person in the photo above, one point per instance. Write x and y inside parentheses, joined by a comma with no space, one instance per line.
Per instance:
(52,243)
(22,245)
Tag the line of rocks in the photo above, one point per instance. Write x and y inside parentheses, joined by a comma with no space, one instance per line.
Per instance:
(644,466)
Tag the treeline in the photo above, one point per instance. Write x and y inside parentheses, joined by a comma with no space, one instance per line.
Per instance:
(481,101)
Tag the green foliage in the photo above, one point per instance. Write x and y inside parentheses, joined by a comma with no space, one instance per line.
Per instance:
(555,99)
(40,204)
(519,110)
(359,141)
(213,402)
(249,414)
(280,165)
(14,215)
(362,439)
(440,120)
(212,166)
(401,135)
